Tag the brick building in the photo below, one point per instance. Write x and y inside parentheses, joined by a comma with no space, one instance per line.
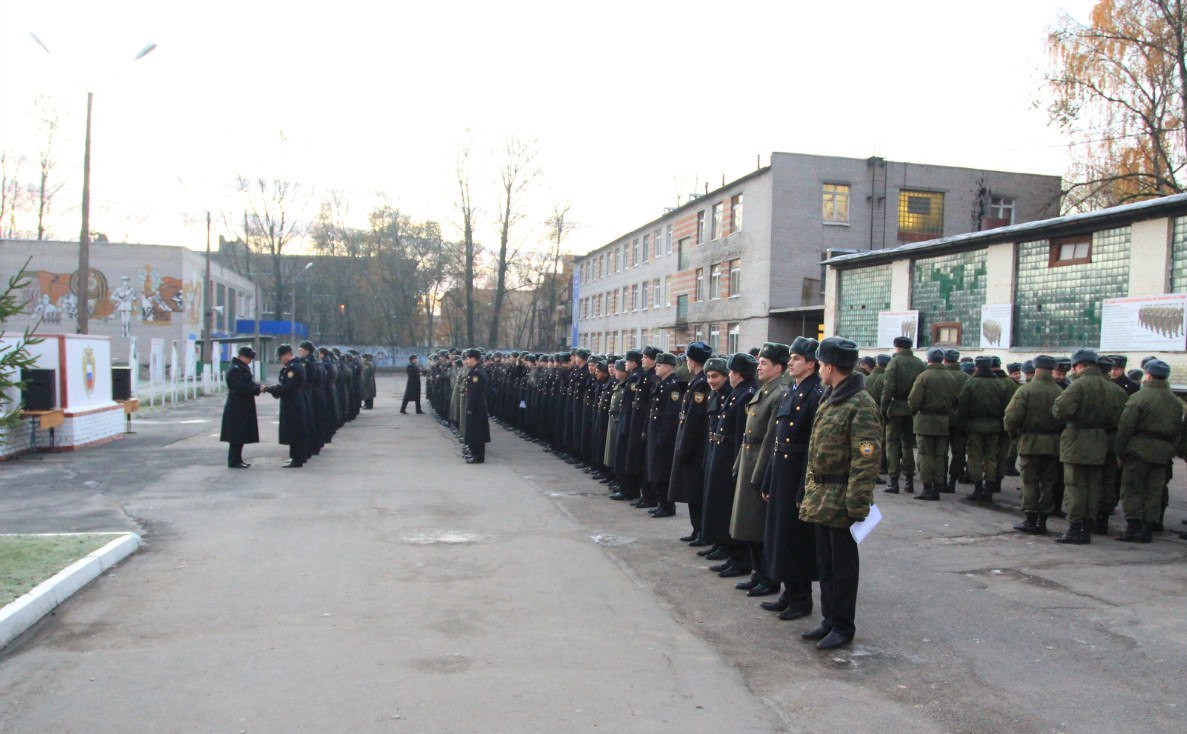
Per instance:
(742,264)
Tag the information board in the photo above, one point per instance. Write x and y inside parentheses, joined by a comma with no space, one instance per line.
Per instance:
(893,324)
(997,322)
(1144,323)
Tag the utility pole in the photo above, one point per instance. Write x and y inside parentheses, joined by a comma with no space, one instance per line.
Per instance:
(84,237)
(207,304)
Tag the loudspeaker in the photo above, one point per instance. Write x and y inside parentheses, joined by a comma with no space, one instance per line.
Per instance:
(121,383)
(38,393)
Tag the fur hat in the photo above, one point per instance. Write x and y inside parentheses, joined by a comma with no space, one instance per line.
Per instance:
(717,364)
(699,352)
(837,352)
(666,358)
(777,353)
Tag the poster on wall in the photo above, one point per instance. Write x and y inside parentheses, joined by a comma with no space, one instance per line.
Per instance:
(997,325)
(1146,323)
(893,324)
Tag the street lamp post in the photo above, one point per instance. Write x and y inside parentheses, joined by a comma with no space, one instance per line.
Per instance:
(293,303)
(84,237)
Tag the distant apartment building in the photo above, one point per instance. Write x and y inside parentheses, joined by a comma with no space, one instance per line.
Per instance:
(743,264)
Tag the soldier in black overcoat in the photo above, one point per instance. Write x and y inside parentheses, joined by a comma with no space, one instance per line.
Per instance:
(412,387)
(663,422)
(636,449)
(329,422)
(239,414)
(687,483)
(312,397)
(292,408)
(726,438)
(477,418)
(789,544)
(629,482)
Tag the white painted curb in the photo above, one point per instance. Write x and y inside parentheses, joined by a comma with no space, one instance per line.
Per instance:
(23,613)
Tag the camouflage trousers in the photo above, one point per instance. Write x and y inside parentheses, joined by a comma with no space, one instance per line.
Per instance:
(959,441)
(933,459)
(1082,490)
(900,445)
(1007,455)
(1039,474)
(982,452)
(1110,485)
(1141,490)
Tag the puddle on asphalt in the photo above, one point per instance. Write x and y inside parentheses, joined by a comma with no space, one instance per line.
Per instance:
(442,537)
(611,541)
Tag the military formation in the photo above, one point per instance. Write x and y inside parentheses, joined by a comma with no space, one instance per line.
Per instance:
(320,390)
(775,453)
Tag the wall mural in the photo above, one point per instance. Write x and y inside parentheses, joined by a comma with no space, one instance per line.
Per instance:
(145,297)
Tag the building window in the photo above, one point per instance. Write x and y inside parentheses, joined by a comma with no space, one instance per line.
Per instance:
(655,238)
(718,220)
(646,294)
(714,282)
(1075,250)
(700,228)
(682,307)
(714,336)
(584,308)
(920,215)
(657,289)
(700,289)
(945,334)
(625,295)
(635,253)
(735,213)
(735,284)
(597,305)
(682,254)
(1001,207)
(698,333)
(836,203)
(735,336)
(668,290)
(668,238)
(646,247)
(634,297)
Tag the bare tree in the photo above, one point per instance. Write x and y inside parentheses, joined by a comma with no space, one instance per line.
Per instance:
(274,207)
(10,192)
(559,227)
(516,174)
(465,206)
(47,188)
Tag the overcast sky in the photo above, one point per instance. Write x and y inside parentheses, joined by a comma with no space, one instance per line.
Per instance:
(631,103)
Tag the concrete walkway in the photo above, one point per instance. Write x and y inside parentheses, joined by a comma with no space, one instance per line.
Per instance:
(385,587)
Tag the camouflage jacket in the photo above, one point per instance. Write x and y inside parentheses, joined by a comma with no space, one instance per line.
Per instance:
(1085,408)
(932,399)
(1029,419)
(843,456)
(904,367)
(1151,424)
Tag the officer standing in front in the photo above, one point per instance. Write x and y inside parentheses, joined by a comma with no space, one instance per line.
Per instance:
(239,414)
(843,456)
(477,434)
(292,408)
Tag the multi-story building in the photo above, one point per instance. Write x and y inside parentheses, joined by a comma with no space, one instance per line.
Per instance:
(742,265)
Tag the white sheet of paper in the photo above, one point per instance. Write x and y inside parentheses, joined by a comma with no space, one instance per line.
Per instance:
(859,530)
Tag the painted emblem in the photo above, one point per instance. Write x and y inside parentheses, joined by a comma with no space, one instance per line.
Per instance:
(289,374)
(88,369)
(866,448)
(698,397)
(474,378)
(675,395)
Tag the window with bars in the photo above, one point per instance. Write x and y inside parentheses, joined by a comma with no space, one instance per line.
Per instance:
(920,215)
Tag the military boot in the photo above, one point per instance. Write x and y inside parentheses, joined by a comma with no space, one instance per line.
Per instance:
(1135,531)
(979,494)
(930,492)
(893,488)
(950,487)
(1042,529)
(1075,535)
(909,486)
(1030,525)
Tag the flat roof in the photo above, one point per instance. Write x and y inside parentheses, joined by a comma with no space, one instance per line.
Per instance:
(1176,204)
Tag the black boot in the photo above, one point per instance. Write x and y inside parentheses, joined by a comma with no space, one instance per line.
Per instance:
(931,492)
(893,488)
(950,487)
(1030,525)
(979,494)
(879,480)
(1101,526)
(1042,530)
(1075,535)
(1135,531)
(909,486)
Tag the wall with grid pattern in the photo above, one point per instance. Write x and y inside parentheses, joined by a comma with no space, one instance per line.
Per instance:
(863,293)
(950,288)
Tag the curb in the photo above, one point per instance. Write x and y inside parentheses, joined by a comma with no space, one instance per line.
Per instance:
(23,613)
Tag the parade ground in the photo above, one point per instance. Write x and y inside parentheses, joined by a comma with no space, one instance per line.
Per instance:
(388,586)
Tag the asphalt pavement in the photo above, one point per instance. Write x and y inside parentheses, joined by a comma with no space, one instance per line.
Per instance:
(388,586)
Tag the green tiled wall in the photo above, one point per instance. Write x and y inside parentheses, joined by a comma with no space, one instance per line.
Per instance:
(1179,256)
(1061,306)
(949,288)
(863,293)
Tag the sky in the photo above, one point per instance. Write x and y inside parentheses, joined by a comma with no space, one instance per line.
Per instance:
(630,105)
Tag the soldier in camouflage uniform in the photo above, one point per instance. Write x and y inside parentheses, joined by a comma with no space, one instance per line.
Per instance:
(1150,429)
(1029,421)
(980,409)
(956,436)
(900,432)
(932,400)
(1084,409)
(874,384)
(842,464)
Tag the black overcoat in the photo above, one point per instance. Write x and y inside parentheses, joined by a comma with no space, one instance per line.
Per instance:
(627,410)
(412,387)
(292,408)
(636,448)
(239,413)
(789,544)
(719,462)
(477,416)
(688,460)
(664,420)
